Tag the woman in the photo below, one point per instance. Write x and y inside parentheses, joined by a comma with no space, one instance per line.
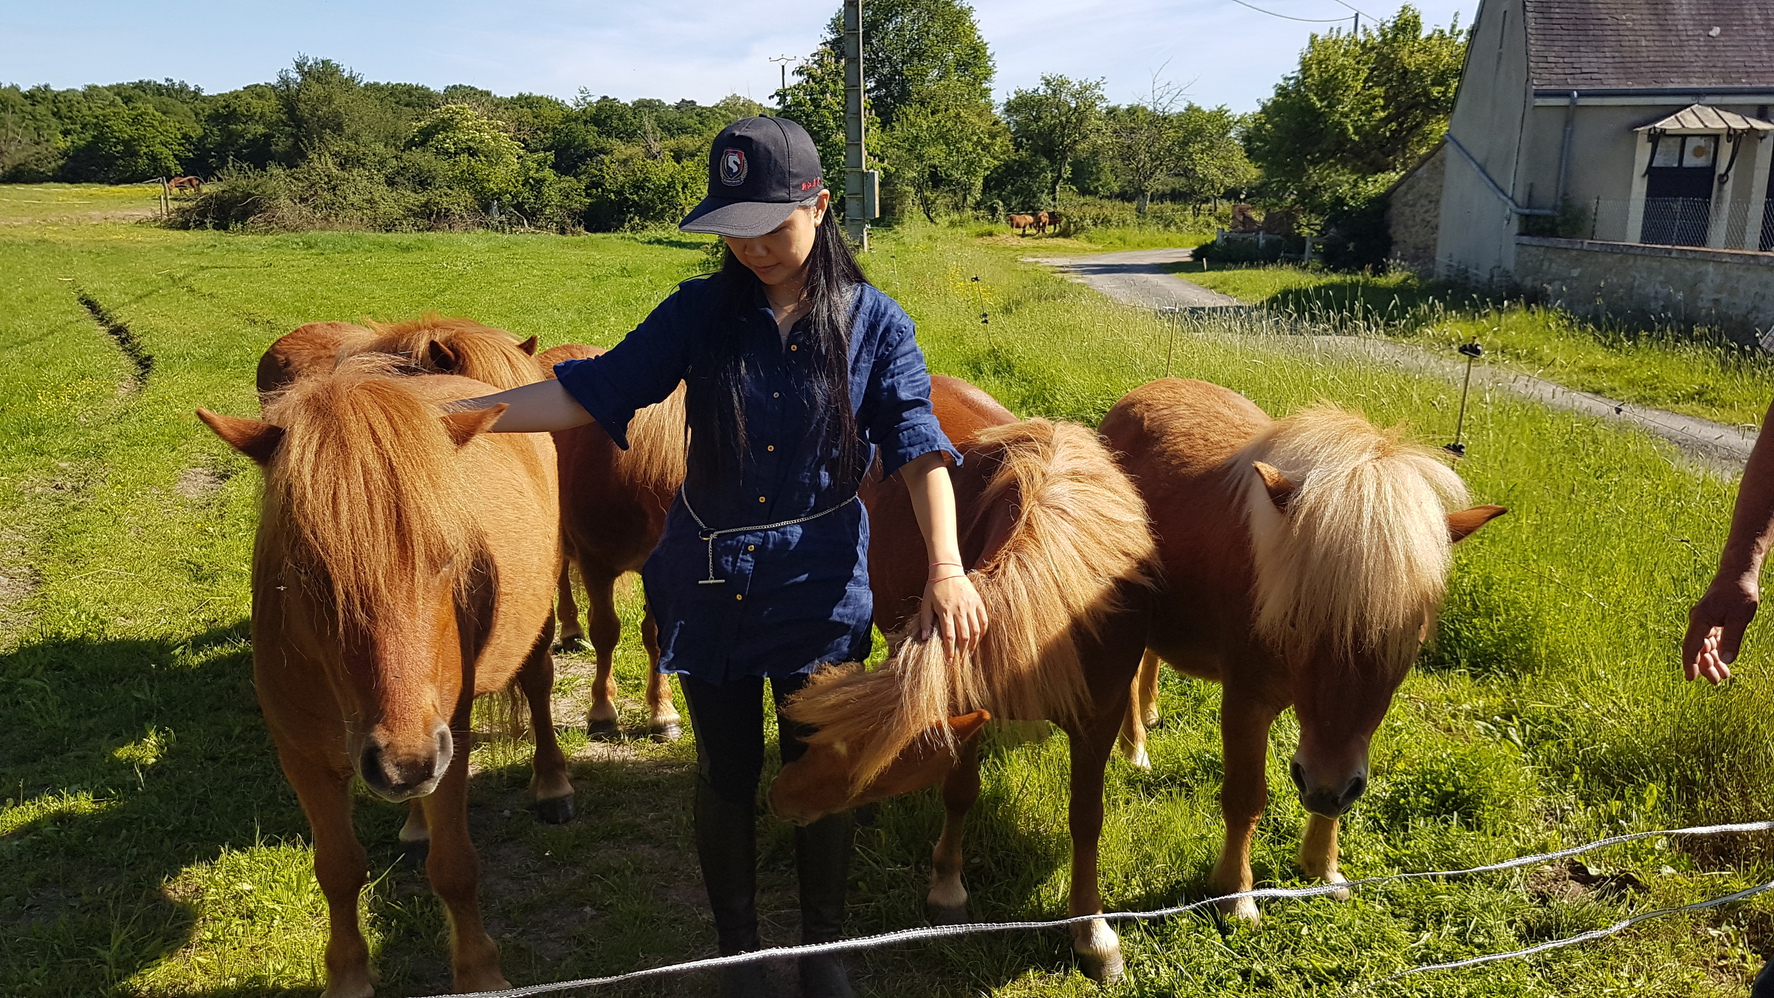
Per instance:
(797,371)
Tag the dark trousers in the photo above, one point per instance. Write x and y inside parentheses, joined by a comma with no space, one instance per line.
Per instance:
(729,723)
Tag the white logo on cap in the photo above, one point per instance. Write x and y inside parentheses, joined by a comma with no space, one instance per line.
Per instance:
(733,167)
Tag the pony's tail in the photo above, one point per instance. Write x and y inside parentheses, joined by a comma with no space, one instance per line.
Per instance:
(1065,533)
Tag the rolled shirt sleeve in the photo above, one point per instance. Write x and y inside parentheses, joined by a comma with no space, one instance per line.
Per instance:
(642,369)
(900,420)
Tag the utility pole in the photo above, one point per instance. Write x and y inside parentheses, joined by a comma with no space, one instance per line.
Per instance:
(855,224)
(1357,31)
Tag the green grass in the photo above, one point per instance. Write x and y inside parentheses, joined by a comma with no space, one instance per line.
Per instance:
(25,204)
(1696,375)
(149,846)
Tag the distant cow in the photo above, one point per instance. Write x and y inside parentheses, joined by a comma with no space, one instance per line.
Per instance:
(1021,223)
(1041,220)
(192,184)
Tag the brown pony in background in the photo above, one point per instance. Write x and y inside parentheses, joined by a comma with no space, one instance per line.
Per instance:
(305,350)
(1303,560)
(1056,542)
(398,572)
(1021,223)
(615,508)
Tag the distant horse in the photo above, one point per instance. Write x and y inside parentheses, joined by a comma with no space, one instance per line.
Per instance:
(1021,223)
(192,184)
(1041,220)
(1053,220)
(1056,541)
(1303,560)
(614,509)
(405,563)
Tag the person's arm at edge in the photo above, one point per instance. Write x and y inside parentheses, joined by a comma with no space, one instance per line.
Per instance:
(1716,624)
(542,407)
(950,602)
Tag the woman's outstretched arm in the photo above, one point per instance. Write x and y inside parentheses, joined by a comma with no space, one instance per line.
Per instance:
(951,605)
(1716,623)
(542,407)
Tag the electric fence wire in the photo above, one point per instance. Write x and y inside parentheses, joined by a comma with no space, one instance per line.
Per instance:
(936,932)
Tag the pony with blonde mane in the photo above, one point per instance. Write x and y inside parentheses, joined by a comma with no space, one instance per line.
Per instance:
(1304,560)
(1055,539)
(398,572)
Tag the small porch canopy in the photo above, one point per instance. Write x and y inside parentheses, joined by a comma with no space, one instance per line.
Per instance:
(1703,119)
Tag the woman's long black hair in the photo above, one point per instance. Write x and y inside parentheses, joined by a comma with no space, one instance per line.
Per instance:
(716,413)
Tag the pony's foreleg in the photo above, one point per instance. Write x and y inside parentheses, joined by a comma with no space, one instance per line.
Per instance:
(663,725)
(569,636)
(1145,689)
(549,786)
(606,630)
(1244,737)
(960,789)
(1097,945)
(1318,852)
(341,866)
(454,871)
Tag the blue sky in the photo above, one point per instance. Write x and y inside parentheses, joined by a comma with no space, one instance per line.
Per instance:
(1226,53)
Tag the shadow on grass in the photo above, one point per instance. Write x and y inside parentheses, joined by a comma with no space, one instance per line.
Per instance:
(147,760)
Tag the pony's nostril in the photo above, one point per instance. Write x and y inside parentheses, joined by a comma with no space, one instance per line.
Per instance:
(370,766)
(1352,793)
(1298,772)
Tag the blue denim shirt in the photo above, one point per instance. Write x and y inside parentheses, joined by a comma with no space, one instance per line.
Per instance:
(791,598)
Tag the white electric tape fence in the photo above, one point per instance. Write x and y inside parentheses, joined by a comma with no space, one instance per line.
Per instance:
(934,932)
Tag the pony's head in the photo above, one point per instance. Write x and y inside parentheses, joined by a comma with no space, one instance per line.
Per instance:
(367,560)
(821,781)
(1352,533)
(443,345)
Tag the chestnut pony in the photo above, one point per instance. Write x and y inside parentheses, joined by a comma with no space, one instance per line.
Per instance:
(1056,542)
(613,501)
(398,572)
(1304,560)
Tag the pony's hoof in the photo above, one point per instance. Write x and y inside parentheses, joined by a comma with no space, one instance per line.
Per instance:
(1099,951)
(945,914)
(1243,910)
(665,731)
(572,645)
(555,810)
(1138,759)
(603,730)
(1106,968)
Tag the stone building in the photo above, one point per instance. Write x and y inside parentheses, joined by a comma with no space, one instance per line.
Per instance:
(1608,155)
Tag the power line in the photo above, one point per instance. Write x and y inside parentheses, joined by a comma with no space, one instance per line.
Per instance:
(1358,10)
(1290,17)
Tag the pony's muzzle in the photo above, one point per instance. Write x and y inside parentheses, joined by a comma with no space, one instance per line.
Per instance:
(1328,799)
(397,775)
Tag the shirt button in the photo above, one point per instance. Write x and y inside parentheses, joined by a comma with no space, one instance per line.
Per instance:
(751,547)
(770,447)
(760,498)
(775,395)
(738,595)
(794,346)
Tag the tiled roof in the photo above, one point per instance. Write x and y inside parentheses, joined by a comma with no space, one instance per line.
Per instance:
(1630,44)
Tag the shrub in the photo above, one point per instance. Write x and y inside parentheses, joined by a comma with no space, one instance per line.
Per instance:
(1248,249)
(641,193)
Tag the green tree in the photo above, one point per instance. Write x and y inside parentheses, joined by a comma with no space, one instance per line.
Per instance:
(1210,157)
(245,127)
(943,144)
(330,112)
(1056,121)
(123,144)
(30,138)
(1358,111)
(909,46)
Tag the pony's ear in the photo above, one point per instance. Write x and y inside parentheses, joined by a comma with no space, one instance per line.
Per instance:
(465,425)
(1281,488)
(442,357)
(528,346)
(1464,523)
(251,437)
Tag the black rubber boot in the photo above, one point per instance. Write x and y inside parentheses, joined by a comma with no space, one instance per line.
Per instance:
(726,846)
(822,862)
(1763,986)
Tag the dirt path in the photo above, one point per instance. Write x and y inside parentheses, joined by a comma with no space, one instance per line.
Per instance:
(1133,278)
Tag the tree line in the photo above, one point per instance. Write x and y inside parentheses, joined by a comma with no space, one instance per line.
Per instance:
(320,145)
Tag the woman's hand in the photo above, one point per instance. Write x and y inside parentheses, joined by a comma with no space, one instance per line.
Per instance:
(952,607)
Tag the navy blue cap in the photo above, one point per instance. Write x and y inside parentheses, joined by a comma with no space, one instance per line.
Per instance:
(759,170)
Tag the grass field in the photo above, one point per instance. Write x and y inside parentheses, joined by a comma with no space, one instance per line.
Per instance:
(149,846)
(1712,379)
